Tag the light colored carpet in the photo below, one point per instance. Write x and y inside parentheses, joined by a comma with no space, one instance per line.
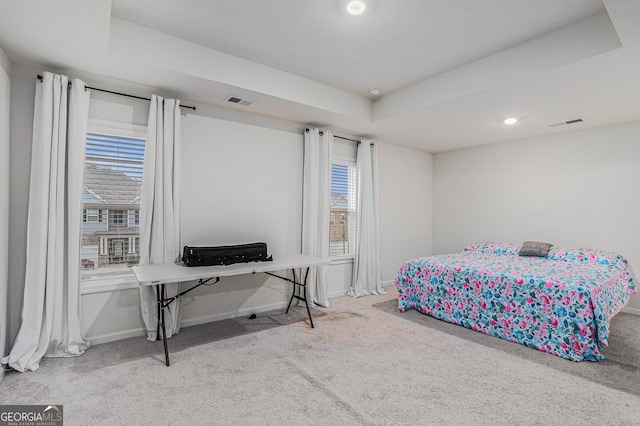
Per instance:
(362,364)
(619,370)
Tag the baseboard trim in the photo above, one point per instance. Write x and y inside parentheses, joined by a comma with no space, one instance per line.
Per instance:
(248,311)
(336,293)
(232,314)
(120,335)
(632,311)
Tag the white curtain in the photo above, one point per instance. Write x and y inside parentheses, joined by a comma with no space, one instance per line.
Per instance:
(5,86)
(160,208)
(51,308)
(315,209)
(367,272)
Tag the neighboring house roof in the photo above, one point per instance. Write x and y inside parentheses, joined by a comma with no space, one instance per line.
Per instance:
(108,186)
(339,202)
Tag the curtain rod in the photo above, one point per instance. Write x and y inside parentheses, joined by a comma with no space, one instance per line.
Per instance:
(122,94)
(346,139)
(335,136)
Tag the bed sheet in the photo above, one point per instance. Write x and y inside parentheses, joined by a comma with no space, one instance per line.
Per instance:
(561,304)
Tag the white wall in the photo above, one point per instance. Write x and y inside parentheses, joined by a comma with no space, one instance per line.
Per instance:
(571,189)
(406,196)
(23,81)
(5,92)
(242,182)
(107,314)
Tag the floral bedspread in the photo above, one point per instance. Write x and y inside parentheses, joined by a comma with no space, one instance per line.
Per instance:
(561,304)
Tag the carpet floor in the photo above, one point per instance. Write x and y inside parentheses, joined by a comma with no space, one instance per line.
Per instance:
(363,364)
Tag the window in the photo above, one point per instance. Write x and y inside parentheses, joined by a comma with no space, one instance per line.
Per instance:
(134,217)
(91,215)
(111,205)
(116,218)
(342,232)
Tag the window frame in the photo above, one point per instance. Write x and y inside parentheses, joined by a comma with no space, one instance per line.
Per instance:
(123,279)
(349,162)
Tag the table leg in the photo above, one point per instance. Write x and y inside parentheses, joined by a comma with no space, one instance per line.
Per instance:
(293,289)
(294,282)
(304,287)
(159,303)
(164,331)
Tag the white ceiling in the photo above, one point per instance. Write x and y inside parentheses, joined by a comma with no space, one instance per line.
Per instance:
(450,71)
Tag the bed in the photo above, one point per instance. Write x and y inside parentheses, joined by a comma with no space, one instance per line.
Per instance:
(560,303)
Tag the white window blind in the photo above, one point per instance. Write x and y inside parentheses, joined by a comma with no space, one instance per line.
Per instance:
(343,203)
(111,204)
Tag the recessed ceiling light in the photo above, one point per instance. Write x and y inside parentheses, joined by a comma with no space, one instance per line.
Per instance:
(510,121)
(374,91)
(356,7)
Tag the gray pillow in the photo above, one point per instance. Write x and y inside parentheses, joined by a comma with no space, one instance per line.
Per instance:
(535,248)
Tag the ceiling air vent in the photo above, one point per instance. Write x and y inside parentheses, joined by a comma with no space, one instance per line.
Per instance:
(239,101)
(562,123)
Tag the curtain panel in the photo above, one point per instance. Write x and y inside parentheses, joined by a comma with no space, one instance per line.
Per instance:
(51,309)
(160,208)
(367,271)
(315,209)
(5,87)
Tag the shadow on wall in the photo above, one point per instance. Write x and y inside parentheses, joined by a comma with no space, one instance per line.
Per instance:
(116,315)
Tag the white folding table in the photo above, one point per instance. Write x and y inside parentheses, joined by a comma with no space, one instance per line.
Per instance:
(167,273)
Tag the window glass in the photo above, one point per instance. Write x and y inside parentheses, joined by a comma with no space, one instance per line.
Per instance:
(111,205)
(342,228)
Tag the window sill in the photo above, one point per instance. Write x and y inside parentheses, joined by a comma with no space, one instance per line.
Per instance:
(105,285)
